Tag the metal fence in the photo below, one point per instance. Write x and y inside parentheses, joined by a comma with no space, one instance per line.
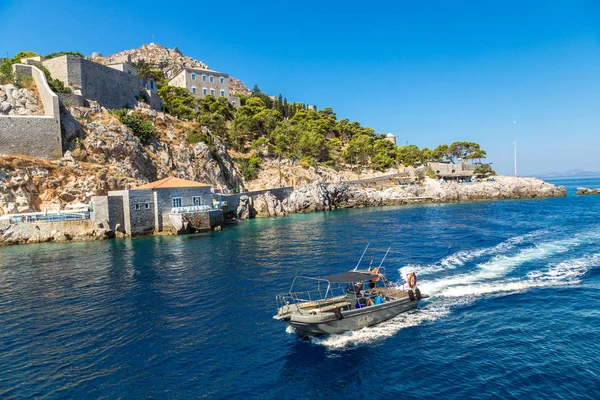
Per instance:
(29,218)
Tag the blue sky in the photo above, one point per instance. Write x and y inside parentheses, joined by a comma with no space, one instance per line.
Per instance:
(430,72)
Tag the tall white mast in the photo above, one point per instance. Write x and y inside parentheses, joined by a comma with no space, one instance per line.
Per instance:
(515,143)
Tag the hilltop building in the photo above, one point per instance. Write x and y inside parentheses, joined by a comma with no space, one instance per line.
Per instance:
(391,138)
(114,86)
(202,82)
(170,205)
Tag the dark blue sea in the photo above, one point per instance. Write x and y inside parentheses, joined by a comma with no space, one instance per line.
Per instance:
(514,310)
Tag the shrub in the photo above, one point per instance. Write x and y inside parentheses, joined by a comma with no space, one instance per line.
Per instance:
(23,54)
(6,74)
(307,161)
(249,167)
(431,173)
(141,128)
(197,137)
(64,53)
(484,170)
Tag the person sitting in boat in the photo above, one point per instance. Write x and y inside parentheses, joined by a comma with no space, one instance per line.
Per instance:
(371,284)
(358,287)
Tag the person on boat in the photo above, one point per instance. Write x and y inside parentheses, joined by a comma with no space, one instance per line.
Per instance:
(355,288)
(358,287)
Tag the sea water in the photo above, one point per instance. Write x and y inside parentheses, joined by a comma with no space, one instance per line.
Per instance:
(514,310)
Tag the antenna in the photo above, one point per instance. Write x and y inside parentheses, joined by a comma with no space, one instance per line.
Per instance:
(515,143)
(386,253)
(361,257)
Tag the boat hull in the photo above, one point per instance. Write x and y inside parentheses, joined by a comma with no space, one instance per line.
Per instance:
(305,325)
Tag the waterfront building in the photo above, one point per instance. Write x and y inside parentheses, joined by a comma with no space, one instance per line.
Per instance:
(203,82)
(170,205)
(453,172)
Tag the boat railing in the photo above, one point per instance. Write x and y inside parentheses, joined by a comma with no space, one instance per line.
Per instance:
(306,301)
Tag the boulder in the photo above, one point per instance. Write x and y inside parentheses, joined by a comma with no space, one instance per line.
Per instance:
(5,107)
(582,191)
(267,205)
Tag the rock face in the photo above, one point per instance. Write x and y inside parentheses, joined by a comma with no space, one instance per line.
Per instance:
(67,231)
(581,191)
(101,154)
(236,86)
(328,196)
(19,101)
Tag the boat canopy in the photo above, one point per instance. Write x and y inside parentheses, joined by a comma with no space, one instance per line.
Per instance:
(351,276)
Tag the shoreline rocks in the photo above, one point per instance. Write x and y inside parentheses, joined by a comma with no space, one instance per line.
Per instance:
(317,196)
(329,196)
(582,191)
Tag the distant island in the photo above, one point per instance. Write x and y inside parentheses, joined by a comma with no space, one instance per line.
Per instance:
(571,173)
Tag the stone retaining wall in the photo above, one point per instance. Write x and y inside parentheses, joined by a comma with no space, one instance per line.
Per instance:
(37,136)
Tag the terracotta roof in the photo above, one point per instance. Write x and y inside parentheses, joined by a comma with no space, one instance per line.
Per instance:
(171,182)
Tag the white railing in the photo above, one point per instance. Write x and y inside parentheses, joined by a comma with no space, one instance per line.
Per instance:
(189,209)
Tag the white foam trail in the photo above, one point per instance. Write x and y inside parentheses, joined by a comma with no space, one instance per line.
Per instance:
(459,259)
(385,329)
(567,272)
(499,266)
(570,271)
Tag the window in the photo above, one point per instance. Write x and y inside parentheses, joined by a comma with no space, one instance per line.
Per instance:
(147,206)
(136,206)
(204,91)
(203,78)
(193,76)
(197,200)
(211,79)
(176,201)
(212,91)
(151,85)
(222,80)
(233,102)
(194,89)
(222,93)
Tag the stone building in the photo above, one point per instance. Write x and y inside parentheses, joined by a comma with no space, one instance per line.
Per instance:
(111,86)
(147,86)
(170,205)
(391,138)
(454,172)
(202,82)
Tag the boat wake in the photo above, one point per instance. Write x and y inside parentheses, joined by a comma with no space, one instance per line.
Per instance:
(502,270)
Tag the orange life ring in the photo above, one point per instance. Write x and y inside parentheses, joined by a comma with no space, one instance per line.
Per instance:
(412,280)
(376,272)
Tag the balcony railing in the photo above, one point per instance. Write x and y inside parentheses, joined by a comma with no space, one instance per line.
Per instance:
(190,209)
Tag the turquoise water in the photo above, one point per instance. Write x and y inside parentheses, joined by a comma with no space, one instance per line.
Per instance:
(513,313)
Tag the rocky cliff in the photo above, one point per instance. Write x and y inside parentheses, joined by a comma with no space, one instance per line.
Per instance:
(103,154)
(19,101)
(328,196)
